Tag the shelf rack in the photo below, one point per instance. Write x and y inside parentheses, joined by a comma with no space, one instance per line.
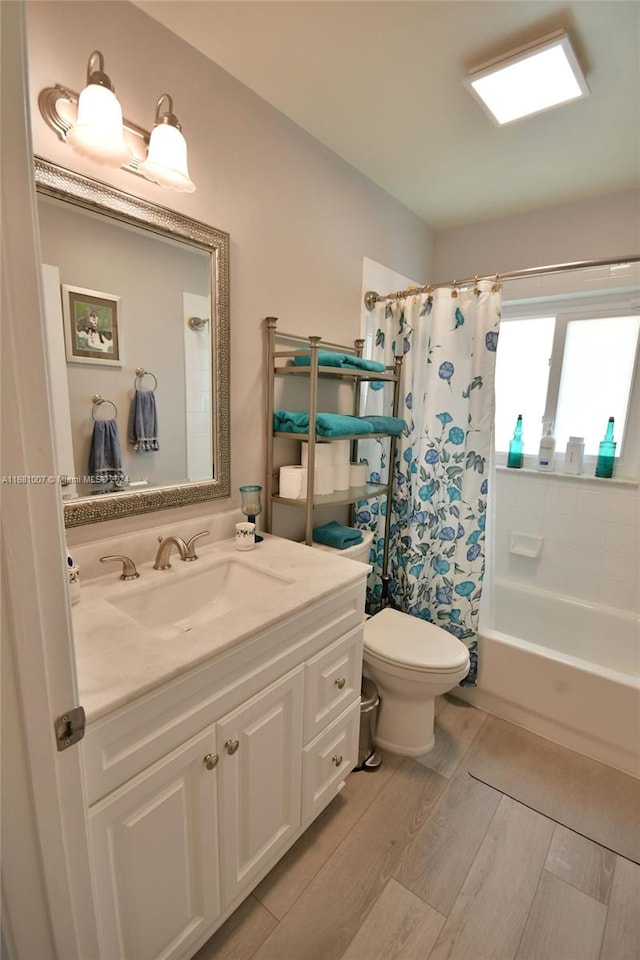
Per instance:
(280,363)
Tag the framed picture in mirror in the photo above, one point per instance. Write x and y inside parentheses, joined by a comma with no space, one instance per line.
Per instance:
(91,326)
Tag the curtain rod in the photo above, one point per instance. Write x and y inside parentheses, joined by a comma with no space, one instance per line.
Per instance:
(371,297)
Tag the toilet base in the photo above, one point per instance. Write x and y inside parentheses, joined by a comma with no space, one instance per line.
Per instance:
(403,750)
(405,725)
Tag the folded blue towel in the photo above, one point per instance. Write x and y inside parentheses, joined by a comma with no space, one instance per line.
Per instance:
(327,358)
(143,421)
(327,424)
(394,425)
(335,534)
(105,458)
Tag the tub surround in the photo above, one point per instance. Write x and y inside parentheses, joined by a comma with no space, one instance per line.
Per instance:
(119,660)
(590,531)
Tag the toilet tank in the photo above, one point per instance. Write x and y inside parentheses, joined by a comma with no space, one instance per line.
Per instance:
(360,551)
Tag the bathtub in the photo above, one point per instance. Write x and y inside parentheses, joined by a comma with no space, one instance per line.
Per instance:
(564,668)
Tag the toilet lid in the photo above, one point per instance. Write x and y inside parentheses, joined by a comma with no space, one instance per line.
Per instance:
(408,641)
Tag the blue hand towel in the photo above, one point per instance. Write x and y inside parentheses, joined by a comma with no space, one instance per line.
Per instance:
(327,358)
(392,425)
(143,421)
(334,534)
(327,424)
(105,458)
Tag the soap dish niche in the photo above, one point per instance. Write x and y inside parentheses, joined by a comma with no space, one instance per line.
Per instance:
(525,545)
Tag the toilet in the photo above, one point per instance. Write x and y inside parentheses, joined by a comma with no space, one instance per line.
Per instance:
(411,662)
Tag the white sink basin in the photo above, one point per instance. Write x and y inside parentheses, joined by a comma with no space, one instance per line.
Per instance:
(195,599)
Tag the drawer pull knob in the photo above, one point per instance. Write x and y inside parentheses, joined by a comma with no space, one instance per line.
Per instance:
(231,746)
(211,761)
(340,683)
(337,759)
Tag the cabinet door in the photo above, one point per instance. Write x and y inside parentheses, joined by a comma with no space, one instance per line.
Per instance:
(155,856)
(260,748)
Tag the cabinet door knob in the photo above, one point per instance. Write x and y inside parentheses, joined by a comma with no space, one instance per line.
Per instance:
(211,761)
(340,683)
(231,746)
(337,759)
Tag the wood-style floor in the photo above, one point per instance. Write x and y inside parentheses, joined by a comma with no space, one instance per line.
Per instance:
(420,861)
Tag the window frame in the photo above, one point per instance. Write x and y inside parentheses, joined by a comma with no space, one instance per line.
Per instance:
(601,305)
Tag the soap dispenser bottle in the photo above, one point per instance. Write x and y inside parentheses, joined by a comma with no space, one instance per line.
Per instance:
(514,459)
(547,448)
(606,453)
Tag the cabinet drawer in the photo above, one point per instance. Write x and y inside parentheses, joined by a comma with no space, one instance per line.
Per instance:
(332,680)
(328,760)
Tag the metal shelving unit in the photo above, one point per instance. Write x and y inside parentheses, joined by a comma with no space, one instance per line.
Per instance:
(279,363)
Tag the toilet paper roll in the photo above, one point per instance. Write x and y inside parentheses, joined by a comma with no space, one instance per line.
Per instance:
(324,480)
(293,482)
(357,474)
(341,450)
(324,455)
(341,478)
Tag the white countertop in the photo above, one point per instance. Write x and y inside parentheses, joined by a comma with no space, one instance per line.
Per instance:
(118,660)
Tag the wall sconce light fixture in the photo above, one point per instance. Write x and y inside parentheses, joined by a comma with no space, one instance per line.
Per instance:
(92,124)
(166,161)
(97,132)
(532,78)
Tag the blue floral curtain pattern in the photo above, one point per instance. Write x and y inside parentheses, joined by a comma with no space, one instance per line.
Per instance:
(448,340)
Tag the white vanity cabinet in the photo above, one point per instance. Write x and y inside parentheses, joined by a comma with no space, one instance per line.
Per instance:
(198,788)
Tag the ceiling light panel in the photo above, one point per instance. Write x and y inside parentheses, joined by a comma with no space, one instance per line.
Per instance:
(528,80)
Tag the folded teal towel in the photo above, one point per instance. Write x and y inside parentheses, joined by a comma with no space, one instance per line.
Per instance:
(327,358)
(334,534)
(392,425)
(327,424)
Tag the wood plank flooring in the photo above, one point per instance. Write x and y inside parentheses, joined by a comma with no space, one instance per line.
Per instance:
(420,861)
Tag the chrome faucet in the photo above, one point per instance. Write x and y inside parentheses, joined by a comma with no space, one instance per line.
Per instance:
(164,551)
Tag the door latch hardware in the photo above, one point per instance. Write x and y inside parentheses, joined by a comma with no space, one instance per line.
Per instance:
(69,727)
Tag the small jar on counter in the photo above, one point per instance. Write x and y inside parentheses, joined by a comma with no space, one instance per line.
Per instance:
(574,456)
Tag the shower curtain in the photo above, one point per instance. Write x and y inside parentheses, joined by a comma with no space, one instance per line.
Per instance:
(448,339)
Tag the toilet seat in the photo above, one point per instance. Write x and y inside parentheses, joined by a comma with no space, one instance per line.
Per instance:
(400,640)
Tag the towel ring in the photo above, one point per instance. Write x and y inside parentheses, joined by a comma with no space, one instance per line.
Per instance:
(141,372)
(97,401)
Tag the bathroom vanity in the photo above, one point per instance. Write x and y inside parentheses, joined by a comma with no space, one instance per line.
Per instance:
(213,740)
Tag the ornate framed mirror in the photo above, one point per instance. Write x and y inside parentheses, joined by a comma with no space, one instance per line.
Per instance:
(160,282)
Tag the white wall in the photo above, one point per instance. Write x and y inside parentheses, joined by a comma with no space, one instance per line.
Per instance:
(300,218)
(594,229)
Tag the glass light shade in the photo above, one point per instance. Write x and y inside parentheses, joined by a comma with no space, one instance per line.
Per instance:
(166,161)
(98,133)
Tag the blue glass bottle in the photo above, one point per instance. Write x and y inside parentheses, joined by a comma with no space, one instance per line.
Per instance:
(515,447)
(606,453)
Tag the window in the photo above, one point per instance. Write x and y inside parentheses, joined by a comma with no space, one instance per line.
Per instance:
(573,363)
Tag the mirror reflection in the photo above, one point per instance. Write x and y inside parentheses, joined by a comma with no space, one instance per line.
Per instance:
(137,330)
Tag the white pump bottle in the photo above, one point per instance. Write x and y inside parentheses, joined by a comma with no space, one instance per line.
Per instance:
(547,449)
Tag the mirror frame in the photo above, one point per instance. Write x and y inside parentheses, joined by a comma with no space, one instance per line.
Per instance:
(54,181)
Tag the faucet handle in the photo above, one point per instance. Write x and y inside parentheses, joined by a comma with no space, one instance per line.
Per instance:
(129,571)
(191,545)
